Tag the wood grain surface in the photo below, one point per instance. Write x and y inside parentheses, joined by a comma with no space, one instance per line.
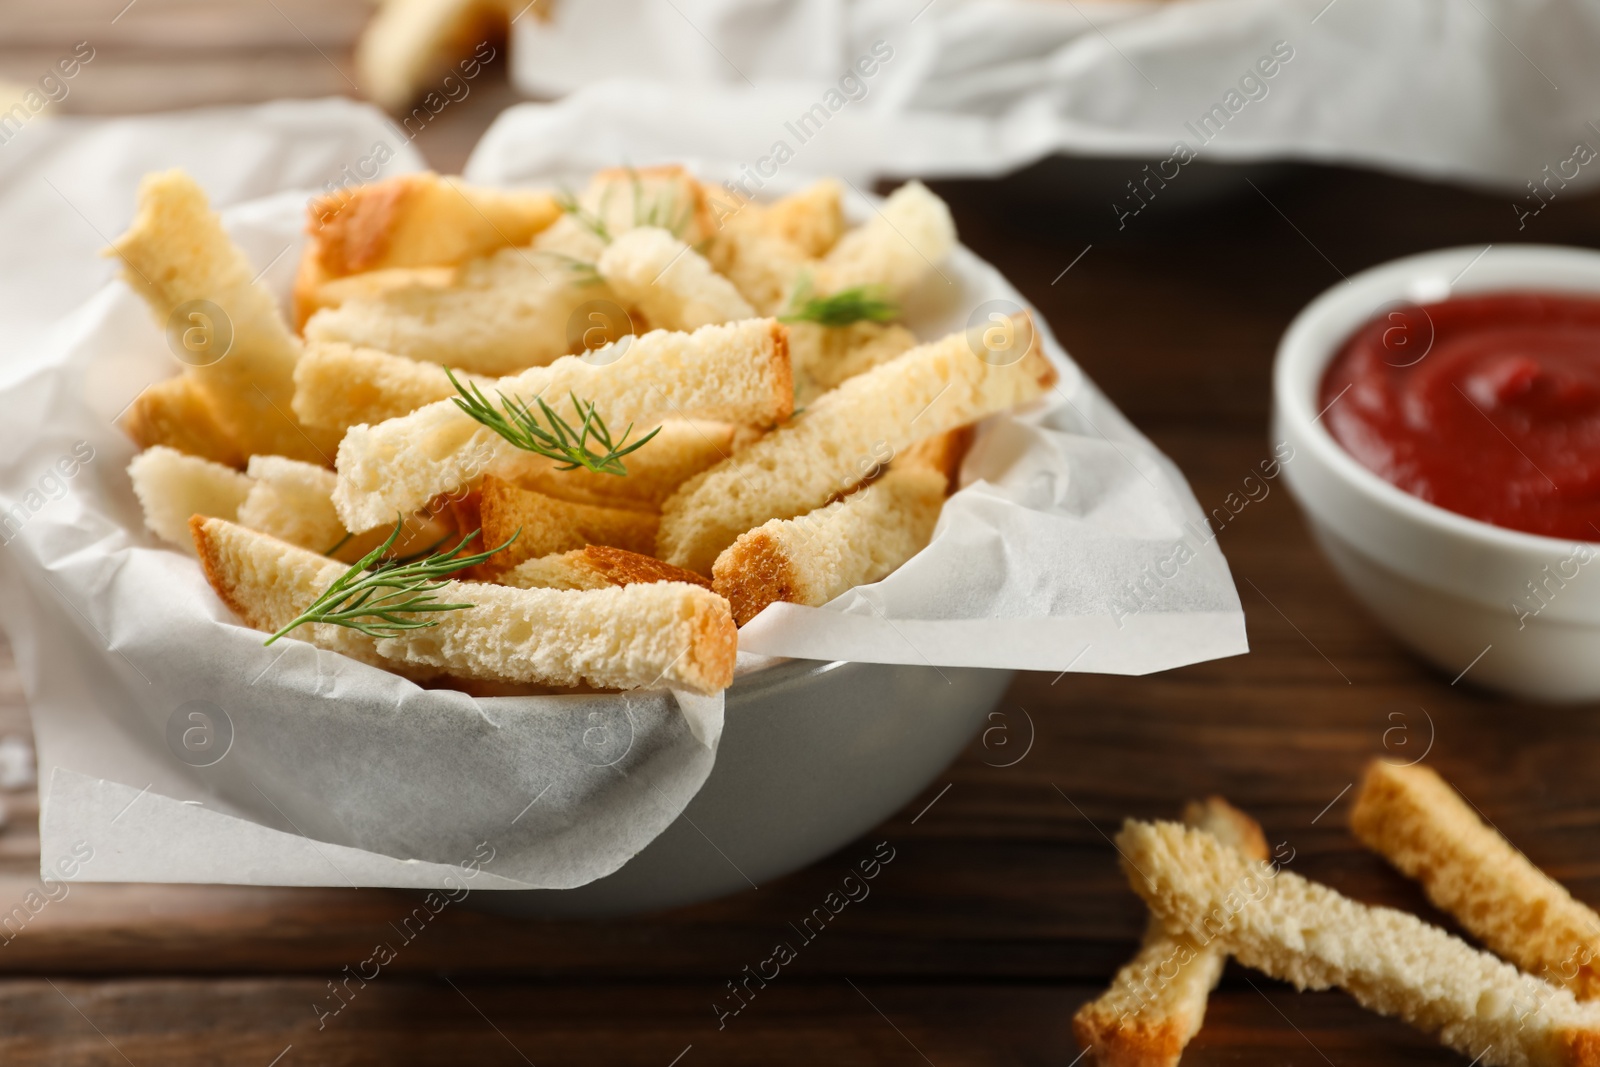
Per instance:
(1004,908)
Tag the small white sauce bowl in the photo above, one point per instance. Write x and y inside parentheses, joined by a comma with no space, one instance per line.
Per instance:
(1500,608)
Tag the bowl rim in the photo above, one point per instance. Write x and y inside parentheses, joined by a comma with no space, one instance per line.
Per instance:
(1302,357)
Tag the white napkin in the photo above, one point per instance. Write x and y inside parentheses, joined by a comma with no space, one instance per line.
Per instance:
(1488,91)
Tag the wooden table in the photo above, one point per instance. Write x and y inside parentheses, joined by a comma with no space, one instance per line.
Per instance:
(1004,908)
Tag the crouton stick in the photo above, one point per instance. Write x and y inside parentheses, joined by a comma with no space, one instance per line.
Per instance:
(841,438)
(550,525)
(631,637)
(172,486)
(817,556)
(812,219)
(824,357)
(176,254)
(669,282)
(733,373)
(338,386)
(901,244)
(1412,817)
(594,567)
(420,220)
(313,291)
(177,413)
(1391,962)
(1157,1002)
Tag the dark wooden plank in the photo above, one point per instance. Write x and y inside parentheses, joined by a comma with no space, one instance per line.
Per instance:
(454,1021)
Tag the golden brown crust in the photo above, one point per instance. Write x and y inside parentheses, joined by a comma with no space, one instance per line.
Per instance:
(716,644)
(1413,818)
(549,525)
(350,229)
(211,562)
(764,575)
(1121,1042)
(942,452)
(177,413)
(621,567)
(783,376)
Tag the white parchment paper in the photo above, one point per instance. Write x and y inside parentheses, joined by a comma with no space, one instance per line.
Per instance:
(1487,92)
(338,773)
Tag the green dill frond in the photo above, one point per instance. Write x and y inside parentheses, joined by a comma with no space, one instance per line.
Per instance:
(861,303)
(520,423)
(386,597)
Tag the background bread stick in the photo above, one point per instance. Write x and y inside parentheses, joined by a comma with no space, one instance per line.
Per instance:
(1412,817)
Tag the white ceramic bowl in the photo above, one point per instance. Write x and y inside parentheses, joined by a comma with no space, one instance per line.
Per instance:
(1523,611)
(812,756)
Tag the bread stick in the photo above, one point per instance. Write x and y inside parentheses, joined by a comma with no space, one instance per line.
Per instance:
(549,525)
(635,636)
(902,243)
(420,220)
(824,357)
(669,282)
(733,373)
(682,449)
(176,253)
(1157,1002)
(840,439)
(172,486)
(314,291)
(1391,962)
(338,386)
(1412,817)
(594,567)
(177,413)
(812,219)
(817,556)
(501,313)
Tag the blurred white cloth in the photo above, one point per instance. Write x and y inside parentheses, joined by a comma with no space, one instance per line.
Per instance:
(1485,92)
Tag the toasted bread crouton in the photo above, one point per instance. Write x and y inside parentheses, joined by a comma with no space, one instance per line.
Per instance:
(669,282)
(839,440)
(293,502)
(421,220)
(901,244)
(812,220)
(1393,963)
(817,556)
(823,357)
(1157,1002)
(764,267)
(619,199)
(313,291)
(549,525)
(733,373)
(594,567)
(1414,819)
(176,253)
(177,413)
(681,449)
(172,486)
(411,46)
(338,386)
(943,452)
(503,312)
(662,633)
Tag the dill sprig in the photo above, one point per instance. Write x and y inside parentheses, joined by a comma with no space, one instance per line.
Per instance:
(518,422)
(385,598)
(595,224)
(856,304)
(662,210)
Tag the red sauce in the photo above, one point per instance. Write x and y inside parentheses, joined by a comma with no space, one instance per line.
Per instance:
(1486,405)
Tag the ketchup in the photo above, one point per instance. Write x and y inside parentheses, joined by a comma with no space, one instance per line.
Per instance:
(1488,406)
